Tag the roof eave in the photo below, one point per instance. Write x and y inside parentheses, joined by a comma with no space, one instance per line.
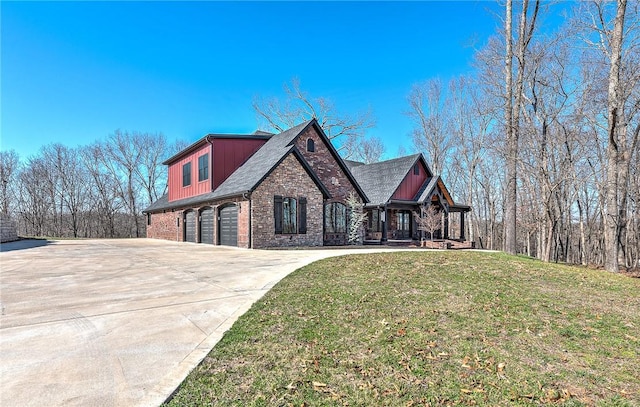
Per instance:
(192,201)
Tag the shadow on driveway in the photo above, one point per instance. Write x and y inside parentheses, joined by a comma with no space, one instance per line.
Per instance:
(24,244)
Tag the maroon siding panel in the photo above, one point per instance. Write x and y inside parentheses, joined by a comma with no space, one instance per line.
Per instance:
(411,184)
(229,154)
(176,190)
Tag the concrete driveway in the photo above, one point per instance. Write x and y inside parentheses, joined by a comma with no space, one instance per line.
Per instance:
(122,322)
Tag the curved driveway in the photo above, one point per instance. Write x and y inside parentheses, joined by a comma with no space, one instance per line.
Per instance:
(122,322)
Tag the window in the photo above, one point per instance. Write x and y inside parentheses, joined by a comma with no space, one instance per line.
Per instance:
(311,145)
(203,167)
(290,215)
(335,218)
(148,219)
(416,169)
(186,175)
(374,221)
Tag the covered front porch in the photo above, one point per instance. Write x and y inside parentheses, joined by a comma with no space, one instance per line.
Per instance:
(398,222)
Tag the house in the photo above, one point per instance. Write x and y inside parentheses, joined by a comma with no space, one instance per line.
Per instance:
(257,190)
(290,189)
(397,189)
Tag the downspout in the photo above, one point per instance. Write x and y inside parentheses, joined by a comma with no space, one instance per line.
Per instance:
(209,140)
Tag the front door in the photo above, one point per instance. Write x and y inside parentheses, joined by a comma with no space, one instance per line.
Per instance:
(404,225)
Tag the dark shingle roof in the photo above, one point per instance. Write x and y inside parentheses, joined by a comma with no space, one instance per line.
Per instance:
(434,182)
(351,164)
(428,188)
(380,180)
(249,175)
(245,178)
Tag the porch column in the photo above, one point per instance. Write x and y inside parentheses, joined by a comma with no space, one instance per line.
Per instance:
(384,224)
(422,237)
(446,225)
(462,237)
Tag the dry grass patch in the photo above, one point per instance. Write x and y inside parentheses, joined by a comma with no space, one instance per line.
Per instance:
(430,328)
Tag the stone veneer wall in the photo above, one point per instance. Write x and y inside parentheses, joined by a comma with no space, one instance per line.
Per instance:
(289,179)
(7,229)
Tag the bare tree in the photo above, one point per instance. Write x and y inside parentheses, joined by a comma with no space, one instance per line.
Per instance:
(428,220)
(346,132)
(149,172)
(9,167)
(103,189)
(611,31)
(68,179)
(471,122)
(34,197)
(122,159)
(357,218)
(618,149)
(432,133)
(370,151)
(513,106)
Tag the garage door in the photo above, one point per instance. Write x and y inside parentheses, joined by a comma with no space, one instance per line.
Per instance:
(190,227)
(229,226)
(206,226)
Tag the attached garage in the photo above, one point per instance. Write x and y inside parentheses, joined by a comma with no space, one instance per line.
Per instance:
(206,225)
(190,226)
(228,225)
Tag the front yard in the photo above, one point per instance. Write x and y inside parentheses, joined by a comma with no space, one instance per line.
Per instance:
(430,328)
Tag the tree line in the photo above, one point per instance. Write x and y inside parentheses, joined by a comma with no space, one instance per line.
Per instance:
(542,140)
(93,191)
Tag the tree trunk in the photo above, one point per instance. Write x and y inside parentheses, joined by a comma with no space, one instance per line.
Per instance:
(512,142)
(615,132)
(583,257)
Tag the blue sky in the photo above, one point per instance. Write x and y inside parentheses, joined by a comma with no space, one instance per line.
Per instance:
(73,72)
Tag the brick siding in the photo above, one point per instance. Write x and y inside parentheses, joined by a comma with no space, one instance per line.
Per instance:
(243,224)
(325,166)
(289,179)
(331,175)
(165,226)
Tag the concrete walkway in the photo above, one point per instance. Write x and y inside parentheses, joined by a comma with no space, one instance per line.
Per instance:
(122,322)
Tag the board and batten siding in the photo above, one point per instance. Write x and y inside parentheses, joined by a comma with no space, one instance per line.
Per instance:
(226,156)
(229,154)
(411,184)
(176,190)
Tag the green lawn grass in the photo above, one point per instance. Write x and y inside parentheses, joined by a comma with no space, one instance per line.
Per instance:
(430,328)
